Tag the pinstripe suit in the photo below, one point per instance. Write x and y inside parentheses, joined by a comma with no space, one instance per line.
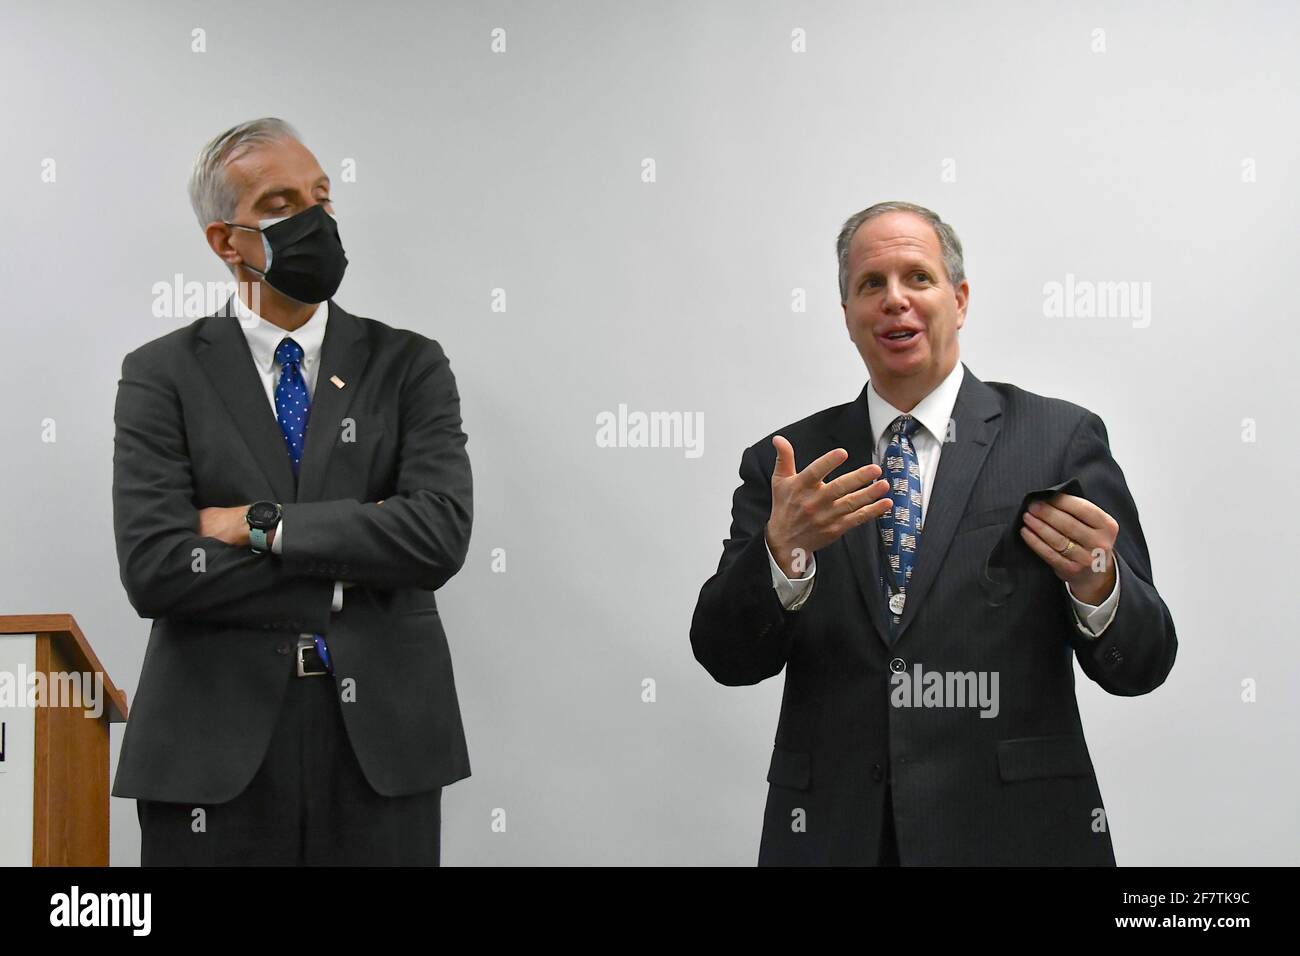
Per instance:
(1017,788)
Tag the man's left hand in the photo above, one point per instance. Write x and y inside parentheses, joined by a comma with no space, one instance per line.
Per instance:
(225,524)
(1050,527)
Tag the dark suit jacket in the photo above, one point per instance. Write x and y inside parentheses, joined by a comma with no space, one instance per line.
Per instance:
(1017,788)
(194,429)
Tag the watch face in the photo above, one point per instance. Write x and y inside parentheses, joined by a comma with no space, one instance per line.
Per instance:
(263,514)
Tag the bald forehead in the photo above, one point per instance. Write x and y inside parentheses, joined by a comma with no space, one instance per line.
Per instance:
(895,233)
(279,168)
(266,159)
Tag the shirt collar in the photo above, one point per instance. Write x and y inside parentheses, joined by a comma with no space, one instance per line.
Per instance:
(264,337)
(933,412)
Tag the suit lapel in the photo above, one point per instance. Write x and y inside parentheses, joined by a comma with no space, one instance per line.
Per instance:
(344,354)
(976,422)
(225,358)
(224,355)
(976,416)
(853,434)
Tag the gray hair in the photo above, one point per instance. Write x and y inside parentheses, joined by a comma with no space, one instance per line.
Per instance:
(211,194)
(948,241)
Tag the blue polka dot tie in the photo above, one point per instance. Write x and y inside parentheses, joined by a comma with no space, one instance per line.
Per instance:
(900,528)
(292,403)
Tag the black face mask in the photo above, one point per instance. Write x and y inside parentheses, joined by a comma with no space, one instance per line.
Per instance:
(304,256)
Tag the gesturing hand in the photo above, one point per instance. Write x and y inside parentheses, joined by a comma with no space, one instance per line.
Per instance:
(1076,539)
(809,513)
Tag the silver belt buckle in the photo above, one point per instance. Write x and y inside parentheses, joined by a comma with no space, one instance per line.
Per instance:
(305,643)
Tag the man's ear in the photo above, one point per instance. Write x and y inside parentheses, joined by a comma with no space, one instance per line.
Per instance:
(963,299)
(218,236)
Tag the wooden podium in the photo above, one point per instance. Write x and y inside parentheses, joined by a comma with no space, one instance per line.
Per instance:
(56,703)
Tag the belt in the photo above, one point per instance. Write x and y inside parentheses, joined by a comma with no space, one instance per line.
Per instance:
(309,660)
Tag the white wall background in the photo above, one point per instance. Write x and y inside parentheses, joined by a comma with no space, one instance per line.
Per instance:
(522,170)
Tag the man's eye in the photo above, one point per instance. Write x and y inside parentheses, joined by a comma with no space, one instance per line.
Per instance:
(923,275)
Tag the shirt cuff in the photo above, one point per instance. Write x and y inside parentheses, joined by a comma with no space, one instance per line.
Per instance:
(338,597)
(277,543)
(792,594)
(1092,620)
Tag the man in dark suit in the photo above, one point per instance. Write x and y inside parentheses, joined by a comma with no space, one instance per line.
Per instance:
(290,487)
(926,562)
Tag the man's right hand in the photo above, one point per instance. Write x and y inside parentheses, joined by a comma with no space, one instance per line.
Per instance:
(809,513)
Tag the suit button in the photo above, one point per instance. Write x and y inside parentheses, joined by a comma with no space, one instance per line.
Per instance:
(877,773)
(898,665)
(282,647)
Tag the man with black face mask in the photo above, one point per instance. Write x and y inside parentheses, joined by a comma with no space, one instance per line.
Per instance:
(290,488)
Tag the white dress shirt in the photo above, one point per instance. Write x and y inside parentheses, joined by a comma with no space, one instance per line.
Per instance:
(933,412)
(263,339)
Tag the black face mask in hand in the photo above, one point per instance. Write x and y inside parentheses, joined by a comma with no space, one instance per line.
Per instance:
(304,257)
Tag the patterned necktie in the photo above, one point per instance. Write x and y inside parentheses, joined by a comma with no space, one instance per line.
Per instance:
(292,403)
(900,529)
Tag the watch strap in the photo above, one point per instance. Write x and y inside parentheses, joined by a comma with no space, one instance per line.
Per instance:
(257,537)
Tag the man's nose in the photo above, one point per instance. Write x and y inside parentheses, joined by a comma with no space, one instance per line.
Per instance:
(895,299)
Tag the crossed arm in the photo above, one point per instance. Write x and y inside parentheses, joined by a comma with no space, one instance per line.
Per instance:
(417,538)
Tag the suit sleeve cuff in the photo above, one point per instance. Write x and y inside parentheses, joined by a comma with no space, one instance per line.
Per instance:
(792,594)
(1092,620)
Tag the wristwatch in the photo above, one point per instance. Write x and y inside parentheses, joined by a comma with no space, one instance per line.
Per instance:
(262,517)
